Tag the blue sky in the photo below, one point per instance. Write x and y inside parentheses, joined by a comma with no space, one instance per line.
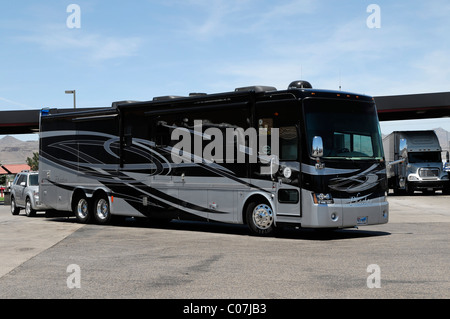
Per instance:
(135,50)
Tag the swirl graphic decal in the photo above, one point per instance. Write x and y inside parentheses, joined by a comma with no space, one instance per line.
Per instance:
(357,183)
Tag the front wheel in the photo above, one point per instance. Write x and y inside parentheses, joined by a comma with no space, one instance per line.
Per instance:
(260,218)
(446,190)
(14,209)
(409,189)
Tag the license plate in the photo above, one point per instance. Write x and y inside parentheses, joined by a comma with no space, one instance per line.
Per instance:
(362,220)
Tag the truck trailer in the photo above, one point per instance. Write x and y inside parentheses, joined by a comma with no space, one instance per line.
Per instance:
(415,162)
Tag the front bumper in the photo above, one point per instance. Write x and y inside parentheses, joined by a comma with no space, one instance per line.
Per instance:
(38,205)
(429,185)
(346,214)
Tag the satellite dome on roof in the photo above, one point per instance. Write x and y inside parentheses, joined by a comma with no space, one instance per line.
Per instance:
(300,85)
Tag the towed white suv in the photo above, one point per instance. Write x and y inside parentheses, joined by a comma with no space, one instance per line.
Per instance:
(25,194)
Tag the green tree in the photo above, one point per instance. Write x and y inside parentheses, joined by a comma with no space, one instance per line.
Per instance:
(34,161)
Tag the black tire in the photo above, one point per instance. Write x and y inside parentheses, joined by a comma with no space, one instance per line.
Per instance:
(14,209)
(101,210)
(260,219)
(446,190)
(409,190)
(82,209)
(29,211)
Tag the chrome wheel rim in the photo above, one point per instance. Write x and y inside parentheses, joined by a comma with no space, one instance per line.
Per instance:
(82,208)
(28,207)
(102,209)
(262,216)
(13,206)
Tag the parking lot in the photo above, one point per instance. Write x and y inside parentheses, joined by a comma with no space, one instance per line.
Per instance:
(57,258)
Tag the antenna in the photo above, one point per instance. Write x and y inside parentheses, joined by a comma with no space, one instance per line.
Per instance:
(340,87)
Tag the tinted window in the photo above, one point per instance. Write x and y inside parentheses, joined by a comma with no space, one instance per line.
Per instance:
(424,157)
(349,129)
(21,179)
(285,117)
(34,180)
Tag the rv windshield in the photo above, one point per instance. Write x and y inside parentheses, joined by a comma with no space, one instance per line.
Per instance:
(349,129)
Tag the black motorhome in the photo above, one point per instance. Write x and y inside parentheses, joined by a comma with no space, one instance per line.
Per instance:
(257,156)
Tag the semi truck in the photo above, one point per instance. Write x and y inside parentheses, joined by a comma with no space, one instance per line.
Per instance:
(415,162)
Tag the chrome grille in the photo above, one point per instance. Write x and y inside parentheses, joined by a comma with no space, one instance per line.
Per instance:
(429,172)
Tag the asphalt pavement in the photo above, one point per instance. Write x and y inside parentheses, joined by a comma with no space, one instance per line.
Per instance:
(54,258)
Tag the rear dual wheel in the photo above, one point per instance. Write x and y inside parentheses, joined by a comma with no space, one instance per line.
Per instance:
(99,211)
(81,209)
(102,212)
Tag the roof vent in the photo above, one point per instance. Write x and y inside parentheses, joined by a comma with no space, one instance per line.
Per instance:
(256,88)
(115,104)
(300,85)
(166,97)
(197,94)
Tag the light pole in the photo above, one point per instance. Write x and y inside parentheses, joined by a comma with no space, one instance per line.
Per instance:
(74,96)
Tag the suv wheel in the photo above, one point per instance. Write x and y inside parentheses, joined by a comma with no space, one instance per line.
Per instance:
(29,208)
(14,209)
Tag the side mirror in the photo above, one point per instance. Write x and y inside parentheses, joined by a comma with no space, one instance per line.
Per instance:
(23,184)
(317,146)
(447,157)
(403,147)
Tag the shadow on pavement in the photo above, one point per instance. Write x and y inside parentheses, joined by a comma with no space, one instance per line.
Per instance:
(232,229)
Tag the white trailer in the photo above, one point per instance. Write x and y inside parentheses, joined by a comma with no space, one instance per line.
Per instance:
(415,162)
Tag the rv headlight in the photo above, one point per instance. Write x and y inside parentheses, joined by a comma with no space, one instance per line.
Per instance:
(323,198)
(287,172)
(413,178)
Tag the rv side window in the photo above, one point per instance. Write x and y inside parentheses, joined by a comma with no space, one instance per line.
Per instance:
(288,143)
(163,133)
(285,118)
(161,128)
(223,120)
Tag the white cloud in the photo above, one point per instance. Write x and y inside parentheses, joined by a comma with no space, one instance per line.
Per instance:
(390,60)
(8,104)
(212,18)
(276,15)
(237,17)
(434,71)
(92,46)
